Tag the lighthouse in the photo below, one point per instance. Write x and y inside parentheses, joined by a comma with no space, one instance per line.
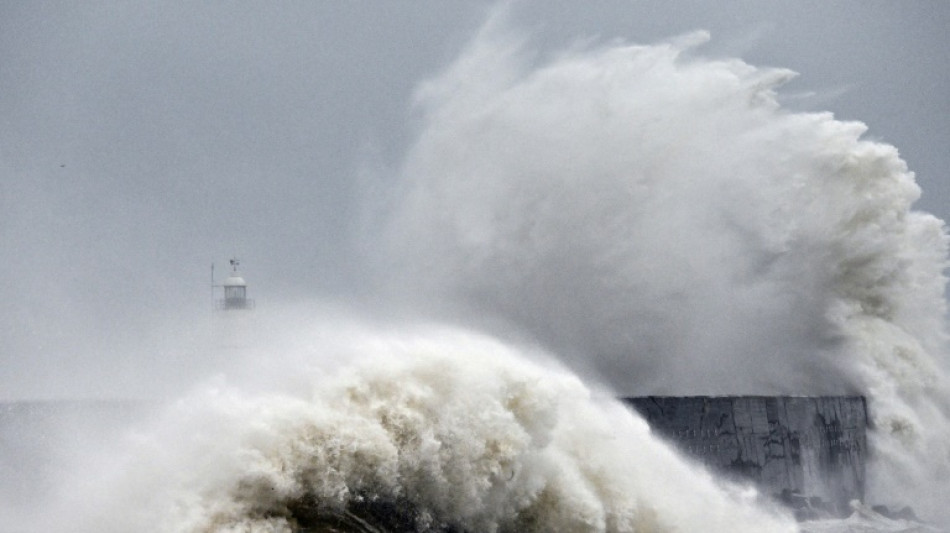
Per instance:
(232,328)
(235,291)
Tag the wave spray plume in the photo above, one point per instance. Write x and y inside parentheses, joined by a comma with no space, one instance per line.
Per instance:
(660,220)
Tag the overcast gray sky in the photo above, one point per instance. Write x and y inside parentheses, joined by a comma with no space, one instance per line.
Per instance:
(141,141)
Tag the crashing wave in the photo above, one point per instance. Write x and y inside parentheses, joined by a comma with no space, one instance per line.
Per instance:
(660,221)
(435,431)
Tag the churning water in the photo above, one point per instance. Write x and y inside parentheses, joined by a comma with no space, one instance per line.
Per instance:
(652,219)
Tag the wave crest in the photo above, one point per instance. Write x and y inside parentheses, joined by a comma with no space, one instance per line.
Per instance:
(440,431)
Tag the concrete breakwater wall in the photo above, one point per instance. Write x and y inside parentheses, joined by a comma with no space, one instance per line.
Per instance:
(791,447)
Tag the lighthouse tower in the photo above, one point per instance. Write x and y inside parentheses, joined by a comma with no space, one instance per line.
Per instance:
(232,329)
(235,291)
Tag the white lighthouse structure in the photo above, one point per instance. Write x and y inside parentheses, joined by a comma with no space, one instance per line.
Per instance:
(235,291)
(232,326)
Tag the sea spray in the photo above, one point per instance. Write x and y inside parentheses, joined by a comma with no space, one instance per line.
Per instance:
(461,431)
(663,223)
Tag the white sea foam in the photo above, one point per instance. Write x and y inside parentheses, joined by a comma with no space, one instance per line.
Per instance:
(472,432)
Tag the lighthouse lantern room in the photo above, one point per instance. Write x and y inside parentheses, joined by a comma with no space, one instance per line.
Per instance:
(235,291)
